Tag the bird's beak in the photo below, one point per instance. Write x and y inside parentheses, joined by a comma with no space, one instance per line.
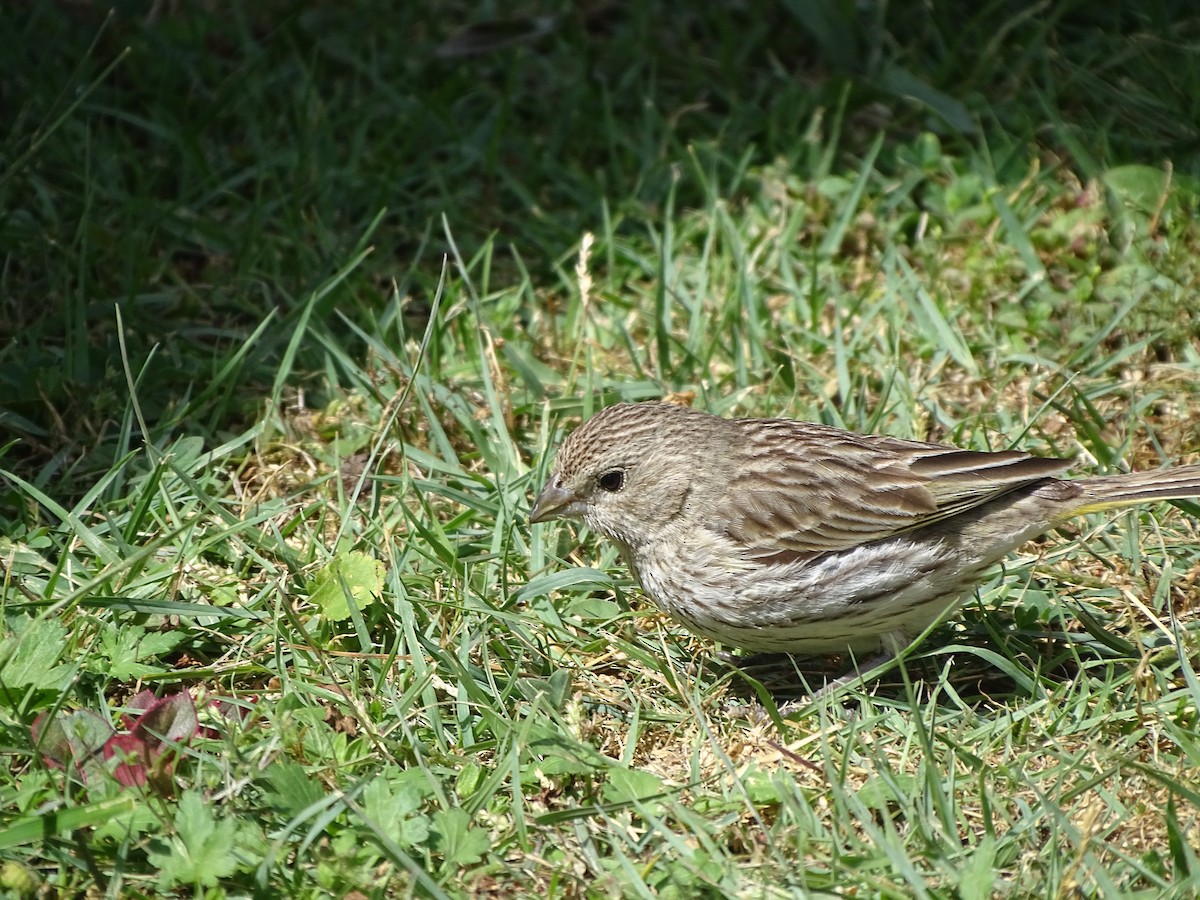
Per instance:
(555,502)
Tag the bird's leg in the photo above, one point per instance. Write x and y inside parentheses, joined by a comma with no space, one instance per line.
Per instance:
(890,646)
(857,671)
(753,661)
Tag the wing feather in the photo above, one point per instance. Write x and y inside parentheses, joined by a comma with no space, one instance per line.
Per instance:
(805,490)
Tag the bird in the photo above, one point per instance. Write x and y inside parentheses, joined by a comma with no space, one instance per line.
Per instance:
(780,536)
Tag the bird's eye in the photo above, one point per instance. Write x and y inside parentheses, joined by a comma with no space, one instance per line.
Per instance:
(612,480)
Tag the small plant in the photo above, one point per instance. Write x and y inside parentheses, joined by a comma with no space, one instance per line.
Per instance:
(145,749)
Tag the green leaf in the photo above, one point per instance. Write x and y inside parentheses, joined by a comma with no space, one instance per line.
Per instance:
(977,879)
(141,819)
(625,785)
(579,579)
(27,659)
(392,806)
(760,787)
(22,558)
(355,572)
(153,606)
(292,789)
(390,801)
(470,777)
(459,843)
(34,829)
(1141,188)
(121,650)
(201,850)
(881,793)
(553,754)
(556,689)
(594,608)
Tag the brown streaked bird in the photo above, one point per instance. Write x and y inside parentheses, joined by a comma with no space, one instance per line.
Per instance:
(774,535)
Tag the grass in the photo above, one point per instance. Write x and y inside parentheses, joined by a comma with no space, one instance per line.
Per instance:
(296,308)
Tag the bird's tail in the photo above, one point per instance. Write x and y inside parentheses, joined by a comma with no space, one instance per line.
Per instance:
(1109,491)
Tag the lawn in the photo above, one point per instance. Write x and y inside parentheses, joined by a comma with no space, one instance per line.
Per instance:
(297,301)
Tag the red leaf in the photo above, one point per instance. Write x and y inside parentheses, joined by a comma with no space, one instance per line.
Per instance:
(139,703)
(69,737)
(51,738)
(135,758)
(171,720)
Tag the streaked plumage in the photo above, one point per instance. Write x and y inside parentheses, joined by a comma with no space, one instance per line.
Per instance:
(778,535)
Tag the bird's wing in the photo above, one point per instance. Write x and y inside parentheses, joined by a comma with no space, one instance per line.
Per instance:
(803,490)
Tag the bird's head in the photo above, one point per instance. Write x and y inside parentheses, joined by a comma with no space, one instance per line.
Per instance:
(634,469)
